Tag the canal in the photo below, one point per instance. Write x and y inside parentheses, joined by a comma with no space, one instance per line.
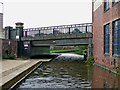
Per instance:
(66,73)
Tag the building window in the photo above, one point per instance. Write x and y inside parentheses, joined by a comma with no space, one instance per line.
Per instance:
(114,2)
(116,38)
(107,39)
(106,5)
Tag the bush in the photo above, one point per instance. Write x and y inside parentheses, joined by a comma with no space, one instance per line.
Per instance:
(90,60)
(24,58)
(117,68)
(78,52)
(11,56)
(84,51)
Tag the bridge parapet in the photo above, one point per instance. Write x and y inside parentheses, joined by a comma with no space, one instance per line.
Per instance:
(62,29)
(59,36)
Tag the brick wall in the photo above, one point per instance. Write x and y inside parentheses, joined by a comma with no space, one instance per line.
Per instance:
(8,46)
(101,18)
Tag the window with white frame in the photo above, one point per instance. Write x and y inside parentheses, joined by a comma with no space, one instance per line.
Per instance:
(107,39)
(106,5)
(115,1)
(116,37)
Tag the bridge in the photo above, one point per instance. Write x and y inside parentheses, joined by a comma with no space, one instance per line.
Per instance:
(35,41)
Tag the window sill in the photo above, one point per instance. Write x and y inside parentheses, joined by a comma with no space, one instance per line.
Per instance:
(107,54)
(115,3)
(116,55)
(106,10)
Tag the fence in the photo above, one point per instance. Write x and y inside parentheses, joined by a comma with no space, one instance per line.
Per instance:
(63,29)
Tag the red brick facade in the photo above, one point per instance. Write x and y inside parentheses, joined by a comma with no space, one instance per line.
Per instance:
(101,18)
(8,45)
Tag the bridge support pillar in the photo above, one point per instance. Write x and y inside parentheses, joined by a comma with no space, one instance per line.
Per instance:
(27,49)
(90,48)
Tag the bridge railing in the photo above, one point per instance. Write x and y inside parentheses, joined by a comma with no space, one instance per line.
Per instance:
(54,30)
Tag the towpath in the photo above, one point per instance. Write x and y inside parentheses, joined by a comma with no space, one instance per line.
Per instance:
(11,69)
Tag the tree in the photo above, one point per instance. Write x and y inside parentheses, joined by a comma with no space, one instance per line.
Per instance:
(76,31)
(57,32)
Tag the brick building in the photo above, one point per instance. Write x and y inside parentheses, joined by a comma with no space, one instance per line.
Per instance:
(106,32)
(1,24)
(8,47)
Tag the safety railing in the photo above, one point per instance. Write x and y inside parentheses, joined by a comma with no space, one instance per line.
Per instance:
(62,29)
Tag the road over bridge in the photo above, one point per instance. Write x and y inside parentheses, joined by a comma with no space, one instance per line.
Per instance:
(60,39)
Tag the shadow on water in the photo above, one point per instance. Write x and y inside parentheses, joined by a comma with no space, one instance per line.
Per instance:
(42,56)
(65,72)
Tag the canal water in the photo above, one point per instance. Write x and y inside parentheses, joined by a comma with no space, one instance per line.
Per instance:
(70,74)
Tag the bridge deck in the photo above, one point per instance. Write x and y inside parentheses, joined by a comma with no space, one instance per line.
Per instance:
(59,36)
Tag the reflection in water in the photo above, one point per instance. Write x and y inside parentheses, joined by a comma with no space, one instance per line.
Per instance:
(62,74)
(104,79)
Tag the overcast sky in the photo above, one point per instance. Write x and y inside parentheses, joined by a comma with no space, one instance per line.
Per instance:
(39,13)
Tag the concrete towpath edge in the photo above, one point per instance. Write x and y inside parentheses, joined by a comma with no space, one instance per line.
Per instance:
(12,78)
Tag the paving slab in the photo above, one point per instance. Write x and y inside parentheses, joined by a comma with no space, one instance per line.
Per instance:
(12,68)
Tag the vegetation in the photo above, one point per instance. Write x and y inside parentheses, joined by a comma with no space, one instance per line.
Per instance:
(11,56)
(82,50)
(90,60)
(64,50)
(117,68)
(24,58)
(77,50)
(76,31)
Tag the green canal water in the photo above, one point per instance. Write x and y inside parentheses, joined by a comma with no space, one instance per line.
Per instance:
(62,74)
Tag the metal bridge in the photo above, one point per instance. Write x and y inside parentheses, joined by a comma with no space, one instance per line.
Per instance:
(55,30)
(35,41)
(42,38)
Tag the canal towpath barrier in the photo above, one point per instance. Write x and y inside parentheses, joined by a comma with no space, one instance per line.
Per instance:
(14,70)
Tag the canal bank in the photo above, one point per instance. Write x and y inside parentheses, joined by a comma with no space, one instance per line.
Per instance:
(14,70)
(107,68)
(114,69)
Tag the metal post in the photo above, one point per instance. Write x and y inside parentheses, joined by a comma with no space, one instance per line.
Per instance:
(53,31)
(39,32)
(25,33)
(86,29)
(69,30)
(114,62)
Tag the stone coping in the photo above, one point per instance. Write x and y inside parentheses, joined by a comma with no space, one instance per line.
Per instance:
(13,68)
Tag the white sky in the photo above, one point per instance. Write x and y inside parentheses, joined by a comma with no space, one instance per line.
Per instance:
(38,13)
